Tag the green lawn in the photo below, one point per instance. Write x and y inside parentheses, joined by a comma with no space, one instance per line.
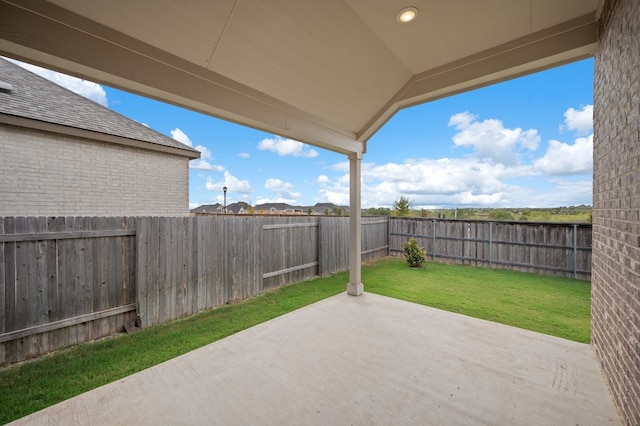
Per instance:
(556,306)
(545,304)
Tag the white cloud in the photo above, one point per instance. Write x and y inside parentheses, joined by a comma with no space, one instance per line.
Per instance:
(202,164)
(84,88)
(181,136)
(581,121)
(205,154)
(232,183)
(277,185)
(244,155)
(490,140)
(282,191)
(446,182)
(427,181)
(284,147)
(564,159)
(336,197)
(204,151)
(462,120)
(323,179)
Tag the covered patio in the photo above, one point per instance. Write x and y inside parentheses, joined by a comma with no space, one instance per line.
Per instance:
(331,73)
(370,360)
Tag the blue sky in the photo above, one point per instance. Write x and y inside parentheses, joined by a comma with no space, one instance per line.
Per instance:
(526,142)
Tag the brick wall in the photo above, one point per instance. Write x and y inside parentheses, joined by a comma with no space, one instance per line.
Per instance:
(45,174)
(616,202)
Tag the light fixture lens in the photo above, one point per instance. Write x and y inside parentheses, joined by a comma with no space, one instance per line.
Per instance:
(407,14)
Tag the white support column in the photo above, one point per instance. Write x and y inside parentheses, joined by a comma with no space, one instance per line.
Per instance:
(355,286)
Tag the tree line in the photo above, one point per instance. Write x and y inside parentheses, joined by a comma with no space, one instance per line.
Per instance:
(402,207)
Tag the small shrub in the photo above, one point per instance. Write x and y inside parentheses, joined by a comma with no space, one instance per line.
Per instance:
(414,254)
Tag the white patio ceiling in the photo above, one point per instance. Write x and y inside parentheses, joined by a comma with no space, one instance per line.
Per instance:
(325,72)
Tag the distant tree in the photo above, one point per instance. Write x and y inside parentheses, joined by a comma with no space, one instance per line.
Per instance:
(309,211)
(402,207)
(251,209)
(326,211)
(337,211)
(378,211)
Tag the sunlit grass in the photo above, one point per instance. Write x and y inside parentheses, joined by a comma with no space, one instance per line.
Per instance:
(550,305)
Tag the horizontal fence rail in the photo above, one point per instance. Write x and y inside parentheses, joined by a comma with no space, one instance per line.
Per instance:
(68,280)
(544,248)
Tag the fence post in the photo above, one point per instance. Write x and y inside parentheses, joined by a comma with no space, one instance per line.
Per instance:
(464,236)
(575,250)
(388,235)
(433,237)
(490,238)
(319,236)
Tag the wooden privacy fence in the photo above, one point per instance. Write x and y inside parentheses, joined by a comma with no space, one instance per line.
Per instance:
(190,264)
(65,281)
(544,248)
(68,280)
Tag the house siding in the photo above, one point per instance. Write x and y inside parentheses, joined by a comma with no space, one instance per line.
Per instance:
(616,205)
(47,174)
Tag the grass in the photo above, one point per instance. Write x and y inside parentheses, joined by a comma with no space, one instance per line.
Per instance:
(550,305)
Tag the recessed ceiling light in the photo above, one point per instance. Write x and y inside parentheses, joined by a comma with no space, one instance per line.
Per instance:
(407,14)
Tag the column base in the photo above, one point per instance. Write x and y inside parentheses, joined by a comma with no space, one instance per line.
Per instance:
(355,289)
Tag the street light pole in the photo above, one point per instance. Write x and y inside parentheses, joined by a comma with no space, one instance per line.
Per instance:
(225,199)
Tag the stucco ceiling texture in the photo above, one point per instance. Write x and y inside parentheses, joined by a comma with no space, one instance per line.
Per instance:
(327,72)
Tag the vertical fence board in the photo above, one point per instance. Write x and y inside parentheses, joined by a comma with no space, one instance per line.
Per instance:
(170,268)
(21,287)
(178,268)
(197,267)
(57,291)
(216,284)
(101,293)
(142,246)
(10,290)
(114,283)
(38,303)
(93,282)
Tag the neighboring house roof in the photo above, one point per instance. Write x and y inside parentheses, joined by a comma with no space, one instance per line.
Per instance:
(273,206)
(36,102)
(242,207)
(321,207)
(239,207)
(208,208)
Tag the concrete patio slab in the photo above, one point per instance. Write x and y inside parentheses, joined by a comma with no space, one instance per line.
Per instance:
(368,360)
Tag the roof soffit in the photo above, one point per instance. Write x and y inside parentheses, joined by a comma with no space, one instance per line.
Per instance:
(326,73)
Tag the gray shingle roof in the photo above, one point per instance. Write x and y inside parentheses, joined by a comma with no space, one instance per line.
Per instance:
(36,98)
(207,208)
